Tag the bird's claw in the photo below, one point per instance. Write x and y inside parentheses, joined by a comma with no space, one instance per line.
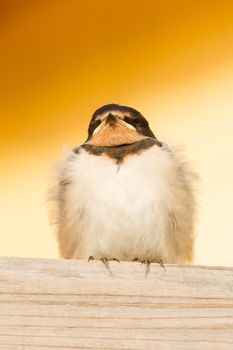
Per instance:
(91,258)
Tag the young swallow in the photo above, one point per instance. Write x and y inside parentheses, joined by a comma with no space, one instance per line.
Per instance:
(124,195)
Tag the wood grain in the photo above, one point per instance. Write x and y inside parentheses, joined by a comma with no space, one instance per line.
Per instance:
(74,304)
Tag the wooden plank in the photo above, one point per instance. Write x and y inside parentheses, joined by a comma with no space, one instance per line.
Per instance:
(74,304)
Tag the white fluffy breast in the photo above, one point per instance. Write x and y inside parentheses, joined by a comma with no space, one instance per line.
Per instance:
(143,208)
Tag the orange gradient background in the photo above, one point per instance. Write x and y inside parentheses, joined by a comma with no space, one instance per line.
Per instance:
(61,60)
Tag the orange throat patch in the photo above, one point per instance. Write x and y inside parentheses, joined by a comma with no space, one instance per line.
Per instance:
(115,136)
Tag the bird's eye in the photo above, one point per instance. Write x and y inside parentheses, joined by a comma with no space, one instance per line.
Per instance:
(135,122)
(129,120)
(93,125)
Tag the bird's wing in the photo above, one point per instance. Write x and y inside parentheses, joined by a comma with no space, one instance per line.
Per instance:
(181,206)
(63,214)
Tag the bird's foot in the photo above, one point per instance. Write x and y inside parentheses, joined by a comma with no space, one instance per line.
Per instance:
(150,261)
(105,261)
(91,257)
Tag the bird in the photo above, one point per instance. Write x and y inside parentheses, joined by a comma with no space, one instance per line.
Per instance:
(124,195)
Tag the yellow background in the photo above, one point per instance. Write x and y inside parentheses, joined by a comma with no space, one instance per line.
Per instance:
(60,60)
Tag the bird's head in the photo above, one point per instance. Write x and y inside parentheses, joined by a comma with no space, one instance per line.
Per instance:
(114,125)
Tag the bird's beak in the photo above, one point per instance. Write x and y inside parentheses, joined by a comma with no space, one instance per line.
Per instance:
(113,121)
